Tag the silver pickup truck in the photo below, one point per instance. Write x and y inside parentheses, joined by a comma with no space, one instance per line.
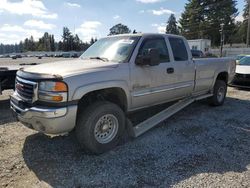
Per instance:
(116,76)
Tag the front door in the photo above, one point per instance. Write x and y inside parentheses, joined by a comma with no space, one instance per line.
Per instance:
(150,84)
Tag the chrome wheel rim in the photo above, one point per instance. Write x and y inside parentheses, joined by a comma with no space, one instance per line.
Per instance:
(106,128)
(221,94)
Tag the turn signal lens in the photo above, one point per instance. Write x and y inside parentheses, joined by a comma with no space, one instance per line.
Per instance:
(60,86)
(57,98)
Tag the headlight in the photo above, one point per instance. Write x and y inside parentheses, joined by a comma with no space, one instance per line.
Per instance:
(50,91)
(53,86)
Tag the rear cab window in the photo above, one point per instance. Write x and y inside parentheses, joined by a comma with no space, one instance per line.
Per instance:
(178,48)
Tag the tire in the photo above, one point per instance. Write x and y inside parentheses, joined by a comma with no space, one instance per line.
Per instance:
(219,93)
(100,126)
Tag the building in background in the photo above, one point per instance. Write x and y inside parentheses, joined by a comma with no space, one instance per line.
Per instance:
(203,45)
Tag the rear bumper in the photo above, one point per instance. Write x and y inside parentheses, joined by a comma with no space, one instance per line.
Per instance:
(47,120)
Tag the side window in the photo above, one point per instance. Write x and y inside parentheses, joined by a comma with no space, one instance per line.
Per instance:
(158,44)
(179,49)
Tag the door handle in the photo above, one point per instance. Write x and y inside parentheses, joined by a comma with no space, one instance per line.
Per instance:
(170,70)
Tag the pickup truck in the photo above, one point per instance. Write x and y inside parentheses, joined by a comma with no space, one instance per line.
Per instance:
(116,76)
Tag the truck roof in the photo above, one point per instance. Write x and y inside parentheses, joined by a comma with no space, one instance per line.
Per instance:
(147,34)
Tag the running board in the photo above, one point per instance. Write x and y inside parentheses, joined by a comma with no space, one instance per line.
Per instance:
(161,116)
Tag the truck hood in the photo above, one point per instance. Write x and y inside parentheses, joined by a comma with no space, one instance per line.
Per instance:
(243,69)
(71,67)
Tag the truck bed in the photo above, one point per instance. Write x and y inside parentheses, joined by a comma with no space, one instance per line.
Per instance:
(8,75)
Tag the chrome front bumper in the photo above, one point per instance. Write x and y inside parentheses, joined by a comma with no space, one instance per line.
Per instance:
(46,120)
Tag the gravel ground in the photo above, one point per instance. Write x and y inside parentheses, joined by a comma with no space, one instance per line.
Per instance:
(201,146)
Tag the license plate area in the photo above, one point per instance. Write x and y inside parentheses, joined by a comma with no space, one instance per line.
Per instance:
(17,101)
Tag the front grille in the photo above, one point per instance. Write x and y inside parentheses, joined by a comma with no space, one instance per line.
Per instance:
(26,89)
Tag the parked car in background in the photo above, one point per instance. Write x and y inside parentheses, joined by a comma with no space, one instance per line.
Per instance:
(239,57)
(58,55)
(40,56)
(13,56)
(74,55)
(66,55)
(197,53)
(242,76)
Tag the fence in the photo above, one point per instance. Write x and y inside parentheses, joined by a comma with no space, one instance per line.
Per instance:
(227,52)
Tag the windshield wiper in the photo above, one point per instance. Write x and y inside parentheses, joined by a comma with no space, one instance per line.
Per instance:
(100,58)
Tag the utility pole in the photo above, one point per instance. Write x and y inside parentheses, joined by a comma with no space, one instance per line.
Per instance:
(248,27)
(221,38)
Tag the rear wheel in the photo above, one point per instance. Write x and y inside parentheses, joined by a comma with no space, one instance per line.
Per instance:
(100,127)
(219,93)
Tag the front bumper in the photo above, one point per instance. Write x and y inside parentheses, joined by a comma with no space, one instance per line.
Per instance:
(241,81)
(48,120)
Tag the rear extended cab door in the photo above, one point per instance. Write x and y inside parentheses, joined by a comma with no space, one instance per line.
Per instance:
(151,85)
(183,65)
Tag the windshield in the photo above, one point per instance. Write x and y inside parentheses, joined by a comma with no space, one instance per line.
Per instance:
(245,61)
(117,49)
(239,57)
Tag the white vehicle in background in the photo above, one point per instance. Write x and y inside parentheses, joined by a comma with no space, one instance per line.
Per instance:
(242,76)
(239,57)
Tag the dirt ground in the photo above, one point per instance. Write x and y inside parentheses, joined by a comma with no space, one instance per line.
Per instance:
(201,146)
(28,60)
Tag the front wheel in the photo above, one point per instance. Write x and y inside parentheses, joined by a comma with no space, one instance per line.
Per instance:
(100,127)
(219,93)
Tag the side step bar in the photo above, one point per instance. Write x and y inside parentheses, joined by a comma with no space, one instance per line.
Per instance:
(161,116)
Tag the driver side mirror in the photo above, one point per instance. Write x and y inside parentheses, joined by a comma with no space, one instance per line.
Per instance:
(152,58)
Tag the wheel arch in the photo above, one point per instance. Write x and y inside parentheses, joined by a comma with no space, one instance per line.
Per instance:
(113,94)
(223,75)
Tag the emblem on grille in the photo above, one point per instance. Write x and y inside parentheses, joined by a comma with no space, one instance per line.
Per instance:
(20,86)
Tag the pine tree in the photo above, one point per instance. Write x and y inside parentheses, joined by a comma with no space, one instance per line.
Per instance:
(77,43)
(192,19)
(221,12)
(21,47)
(32,45)
(66,37)
(202,19)
(243,27)
(52,43)
(119,29)
(172,27)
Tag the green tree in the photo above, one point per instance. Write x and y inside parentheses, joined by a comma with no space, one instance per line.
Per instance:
(119,29)
(26,45)
(242,30)
(239,33)
(21,47)
(92,41)
(77,43)
(223,11)
(52,43)
(60,46)
(202,19)
(67,39)
(192,20)
(172,27)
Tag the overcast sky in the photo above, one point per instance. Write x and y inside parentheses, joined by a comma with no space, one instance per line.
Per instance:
(21,18)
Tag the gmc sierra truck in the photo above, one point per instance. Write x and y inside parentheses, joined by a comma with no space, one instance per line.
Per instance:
(117,75)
